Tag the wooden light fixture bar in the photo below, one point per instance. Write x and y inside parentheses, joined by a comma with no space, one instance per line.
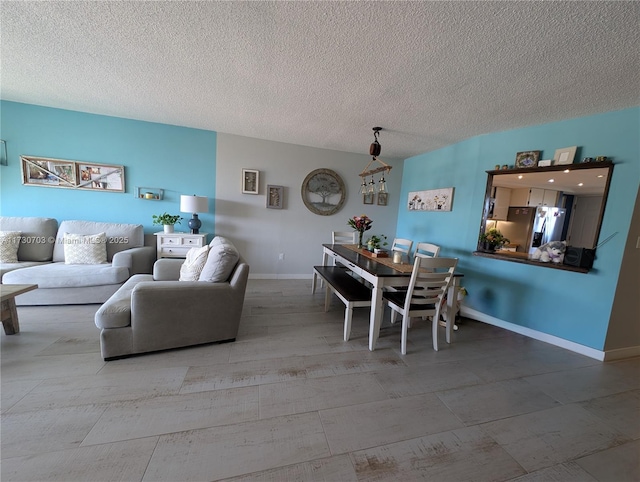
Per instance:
(384,167)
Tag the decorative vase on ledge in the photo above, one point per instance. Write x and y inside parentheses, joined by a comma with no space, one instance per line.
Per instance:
(360,233)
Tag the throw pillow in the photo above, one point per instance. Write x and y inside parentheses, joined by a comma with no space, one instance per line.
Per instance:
(9,244)
(223,257)
(85,248)
(192,266)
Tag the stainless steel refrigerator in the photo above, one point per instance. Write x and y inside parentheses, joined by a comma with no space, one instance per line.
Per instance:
(548,225)
(518,227)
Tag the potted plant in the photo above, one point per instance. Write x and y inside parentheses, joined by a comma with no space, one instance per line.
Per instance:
(375,243)
(167,220)
(493,239)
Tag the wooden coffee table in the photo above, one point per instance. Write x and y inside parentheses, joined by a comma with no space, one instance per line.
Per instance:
(9,315)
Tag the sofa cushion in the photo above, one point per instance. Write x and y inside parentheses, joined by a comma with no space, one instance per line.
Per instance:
(116,311)
(119,236)
(223,257)
(61,275)
(9,244)
(193,264)
(38,236)
(6,267)
(85,249)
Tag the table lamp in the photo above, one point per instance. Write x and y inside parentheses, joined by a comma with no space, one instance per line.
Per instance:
(194,205)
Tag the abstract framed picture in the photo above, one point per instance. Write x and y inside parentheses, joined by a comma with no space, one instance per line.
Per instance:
(527,159)
(431,200)
(43,171)
(565,155)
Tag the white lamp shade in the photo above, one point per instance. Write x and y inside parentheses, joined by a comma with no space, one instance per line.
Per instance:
(194,204)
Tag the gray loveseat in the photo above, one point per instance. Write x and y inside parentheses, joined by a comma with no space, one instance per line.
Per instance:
(159,312)
(41,260)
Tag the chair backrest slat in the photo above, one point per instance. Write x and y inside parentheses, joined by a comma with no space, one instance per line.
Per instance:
(427,250)
(430,280)
(402,245)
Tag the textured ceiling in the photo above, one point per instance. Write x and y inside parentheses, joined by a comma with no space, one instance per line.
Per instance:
(323,74)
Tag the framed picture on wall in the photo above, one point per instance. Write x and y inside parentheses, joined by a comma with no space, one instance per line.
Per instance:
(250,181)
(275,197)
(43,171)
(367,198)
(101,177)
(383,198)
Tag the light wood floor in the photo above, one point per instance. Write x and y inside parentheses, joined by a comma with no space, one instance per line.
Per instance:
(289,400)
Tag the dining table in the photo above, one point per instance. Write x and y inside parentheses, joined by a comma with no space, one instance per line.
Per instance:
(381,272)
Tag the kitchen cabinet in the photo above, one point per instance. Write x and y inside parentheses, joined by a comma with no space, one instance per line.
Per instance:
(502,197)
(542,197)
(533,197)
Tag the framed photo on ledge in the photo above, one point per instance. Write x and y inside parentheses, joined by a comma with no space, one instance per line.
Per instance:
(565,155)
(250,181)
(527,159)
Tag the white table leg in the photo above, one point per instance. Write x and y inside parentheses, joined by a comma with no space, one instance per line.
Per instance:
(375,320)
(452,296)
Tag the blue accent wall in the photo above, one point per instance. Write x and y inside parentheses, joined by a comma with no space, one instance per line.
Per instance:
(177,159)
(573,306)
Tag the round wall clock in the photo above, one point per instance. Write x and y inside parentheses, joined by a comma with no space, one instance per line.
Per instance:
(323,192)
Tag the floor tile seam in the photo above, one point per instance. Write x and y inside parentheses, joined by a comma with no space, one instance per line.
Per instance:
(3,411)
(314,409)
(474,423)
(177,432)
(71,449)
(72,406)
(291,379)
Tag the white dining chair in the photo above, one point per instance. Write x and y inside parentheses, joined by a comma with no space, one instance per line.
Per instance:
(402,245)
(427,250)
(430,280)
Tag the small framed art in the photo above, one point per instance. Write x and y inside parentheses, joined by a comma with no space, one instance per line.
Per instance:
(250,181)
(383,198)
(565,155)
(367,198)
(527,159)
(275,196)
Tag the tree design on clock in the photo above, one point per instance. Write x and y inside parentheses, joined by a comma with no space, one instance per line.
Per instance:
(323,192)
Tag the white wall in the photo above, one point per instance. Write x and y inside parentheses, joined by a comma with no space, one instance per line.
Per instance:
(261,234)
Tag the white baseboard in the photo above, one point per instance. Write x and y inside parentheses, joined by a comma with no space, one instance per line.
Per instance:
(620,353)
(536,335)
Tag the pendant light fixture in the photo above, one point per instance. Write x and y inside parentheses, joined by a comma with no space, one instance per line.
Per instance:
(374,150)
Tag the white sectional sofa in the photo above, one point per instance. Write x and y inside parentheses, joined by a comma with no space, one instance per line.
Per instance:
(44,251)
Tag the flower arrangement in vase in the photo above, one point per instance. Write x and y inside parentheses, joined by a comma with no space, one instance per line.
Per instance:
(493,239)
(361,224)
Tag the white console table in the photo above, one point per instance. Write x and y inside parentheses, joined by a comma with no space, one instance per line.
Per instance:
(176,245)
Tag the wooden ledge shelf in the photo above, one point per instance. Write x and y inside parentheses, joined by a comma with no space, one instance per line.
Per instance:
(523,259)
